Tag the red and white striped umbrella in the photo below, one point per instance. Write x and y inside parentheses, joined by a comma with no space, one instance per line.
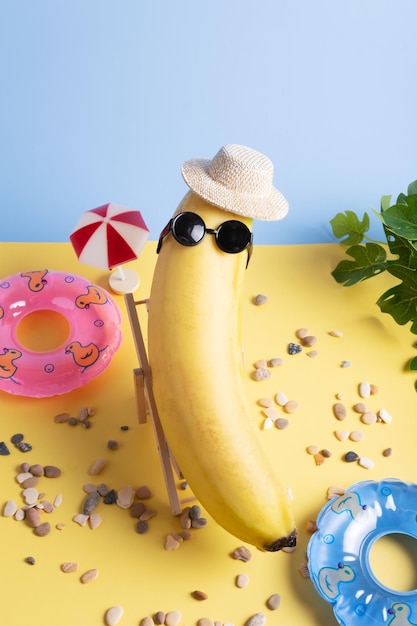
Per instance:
(108,236)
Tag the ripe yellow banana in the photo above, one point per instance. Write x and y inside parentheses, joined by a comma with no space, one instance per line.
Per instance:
(197,371)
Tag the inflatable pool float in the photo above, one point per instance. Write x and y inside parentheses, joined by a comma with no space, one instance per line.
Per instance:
(92,320)
(338,552)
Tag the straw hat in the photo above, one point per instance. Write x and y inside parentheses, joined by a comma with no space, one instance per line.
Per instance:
(237,179)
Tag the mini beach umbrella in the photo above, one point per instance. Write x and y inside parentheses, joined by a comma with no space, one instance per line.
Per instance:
(109,236)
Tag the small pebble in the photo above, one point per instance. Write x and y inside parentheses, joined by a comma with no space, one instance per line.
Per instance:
(267,423)
(80,519)
(143,492)
(242,554)
(201,522)
(291,406)
(142,527)
(387,452)
(242,580)
(10,508)
(95,520)
(33,517)
(312,449)
(260,364)
(356,435)
(89,576)
(275,362)
(205,621)
(125,497)
(69,567)
(346,364)
(173,618)
(273,601)
(30,495)
(124,428)
(199,595)
(265,402)
(351,456)
(366,462)
(261,374)
(42,530)
(294,348)
(102,489)
(22,476)
(312,354)
(304,571)
(308,341)
(148,621)
(113,615)
(91,502)
(4,450)
(30,560)
(258,619)
(339,411)
(384,416)
(341,435)
(51,471)
(374,389)
(364,389)
(282,423)
(336,333)
(335,491)
(97,467)
(311,526)
(326,453)
(137,509)
(281,398)
(110,497)
(89,487)
(260,299)
(86,424)
(300,333)
(57,500)
(17,438)
(369,418)
(61,418)
(112,444)
(270,412)
(319,458)
(72,421)
(19,515)
(24,446)
(194,511)
(159,617)
(360,407)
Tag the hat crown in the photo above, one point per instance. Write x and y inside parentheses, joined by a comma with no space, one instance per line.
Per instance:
(242,169)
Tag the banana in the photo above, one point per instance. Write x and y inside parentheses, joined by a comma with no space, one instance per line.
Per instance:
(195,356)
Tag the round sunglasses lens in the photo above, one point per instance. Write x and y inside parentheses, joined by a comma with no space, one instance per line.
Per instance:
(188,229)
(233,236)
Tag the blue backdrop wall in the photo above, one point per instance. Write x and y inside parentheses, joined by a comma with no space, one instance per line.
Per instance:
(103,100)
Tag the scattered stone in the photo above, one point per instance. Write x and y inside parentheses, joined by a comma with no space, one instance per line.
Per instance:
(30,560)
(110,497)
(159,618)
(24,447)
(95,520)
(384,416)
(113,615)
(61,418)
(143,492)
(51,471)
(97,467)
(312,354)
(36,470)
(33,517)
(294,348)
(364,389)
(242,554)
(17,438)
(260,299)
(42,530)
(309,341)
(319,458)
(200,522)
(124,428)
(173,618)
(273,601)
(194,511)
(301,333)
(387,452)
(4,450)
(89,576)
(346,364)
(260,364)
(369,418)
(360,407)
(339,411)
(356,435)
(262,373)
(282,423)
(10,508)
(72,421)
(270,412)
(312,449)
(137,509)
(304,571)
(291,406)
(366,462)
(341,435)
(326,453)
(171,542)
(91,502)
(281,398)
(199,595)
(205,621)
(125,497)
(142,527)
(351,456)
(148,621)
(242,580)
(80,519)
(258,619)
(336,333)
(112,444)
(265,402)
(30,495)
(275,362)
(69,567)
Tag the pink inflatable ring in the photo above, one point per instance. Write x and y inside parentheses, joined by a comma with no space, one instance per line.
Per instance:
(91,318)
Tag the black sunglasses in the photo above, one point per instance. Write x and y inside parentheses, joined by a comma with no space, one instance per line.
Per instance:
(189,230)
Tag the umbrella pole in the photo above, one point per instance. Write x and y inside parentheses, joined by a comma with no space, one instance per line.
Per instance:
(123,281)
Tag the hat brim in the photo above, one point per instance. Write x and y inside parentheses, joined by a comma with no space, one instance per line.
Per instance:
(272,206)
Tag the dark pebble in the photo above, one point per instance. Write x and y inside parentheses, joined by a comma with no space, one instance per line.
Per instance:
(72,421)
(110,497)
(137,509)
(103,490)
(24,447)
(350,457)
(194,512)
(86,424)
(17,438)
(91,502)
(112,444)
(30,560)
(200,522)
(124,427)
(142,527)
(4,450)
(294,348)
(184,485)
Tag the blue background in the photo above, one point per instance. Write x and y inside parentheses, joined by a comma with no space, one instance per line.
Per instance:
(103,101)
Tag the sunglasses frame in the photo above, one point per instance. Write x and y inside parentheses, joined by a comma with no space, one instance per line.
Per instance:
(170,228)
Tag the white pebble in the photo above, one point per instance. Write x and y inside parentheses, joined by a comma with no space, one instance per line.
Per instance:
(346,364)
(95,520)
(384,416)
(356,435)
(267,423)
(242,580)
(113,615)
(271,413)
(258,619)
(341,435)
(281,399)
(336,333)
(364,389)
(97,467)
(58,500)
(366,462)
(173,618)
(30,495)
(80,519)
(10,508)
(23,476)
(265,402)
(19,515)
(125,497)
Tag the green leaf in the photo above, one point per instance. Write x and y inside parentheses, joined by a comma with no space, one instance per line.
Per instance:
(402,218)
(348,225)
(401,301)
(385,203)
(412,188)
(413,364)
(403,248)
(369,259)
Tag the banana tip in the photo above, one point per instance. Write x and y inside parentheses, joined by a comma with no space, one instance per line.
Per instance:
(284,542)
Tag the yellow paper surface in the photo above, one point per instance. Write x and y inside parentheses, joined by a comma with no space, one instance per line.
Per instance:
(135,571)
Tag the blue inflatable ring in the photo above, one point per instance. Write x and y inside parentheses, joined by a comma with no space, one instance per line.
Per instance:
(338,552)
